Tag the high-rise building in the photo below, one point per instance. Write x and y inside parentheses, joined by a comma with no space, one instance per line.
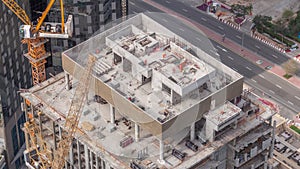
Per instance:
(155,101)
(15,70)
(89,17)
(15,73)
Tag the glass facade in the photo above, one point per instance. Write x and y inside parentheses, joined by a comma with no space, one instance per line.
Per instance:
(15,73)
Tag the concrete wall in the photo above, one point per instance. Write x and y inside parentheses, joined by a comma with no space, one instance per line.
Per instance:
(185,119)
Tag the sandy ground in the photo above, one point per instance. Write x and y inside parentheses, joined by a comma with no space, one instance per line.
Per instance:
(273,8)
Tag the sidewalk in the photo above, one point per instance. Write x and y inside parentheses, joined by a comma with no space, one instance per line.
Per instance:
(249,55)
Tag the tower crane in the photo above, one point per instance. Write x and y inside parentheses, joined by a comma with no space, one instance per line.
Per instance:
(35,36)
(41,157)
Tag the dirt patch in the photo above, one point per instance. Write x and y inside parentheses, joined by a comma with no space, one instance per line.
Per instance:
(273,8)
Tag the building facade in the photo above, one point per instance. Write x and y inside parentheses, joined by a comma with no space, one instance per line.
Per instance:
(15,73)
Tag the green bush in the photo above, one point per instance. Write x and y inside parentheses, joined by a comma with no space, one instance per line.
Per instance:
(296,129)
(287,76)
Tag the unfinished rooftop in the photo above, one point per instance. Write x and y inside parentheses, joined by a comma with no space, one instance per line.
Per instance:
(153,89)
(150,67)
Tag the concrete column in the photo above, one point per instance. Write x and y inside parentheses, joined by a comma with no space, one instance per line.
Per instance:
(112,114)
(91,159)
(97,162)
(71,155)
(161,151)
(270,121)
(79,155)
(54,135)
(66,165)
(40,122)
(273,139)
(59,132)
(235,124)
(266,162)
(137,132)
(67,80)
(86,157)
(102,164)
(192,133)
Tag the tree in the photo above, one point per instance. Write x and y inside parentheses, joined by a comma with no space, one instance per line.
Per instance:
(290,67)
(287,15)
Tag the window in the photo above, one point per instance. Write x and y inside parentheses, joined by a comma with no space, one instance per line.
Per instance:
(14,137)
(9,60)
(11,73)
(4,70)
(21,122)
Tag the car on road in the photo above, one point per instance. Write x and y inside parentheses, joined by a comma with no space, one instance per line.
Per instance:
(268,67)
(259,62)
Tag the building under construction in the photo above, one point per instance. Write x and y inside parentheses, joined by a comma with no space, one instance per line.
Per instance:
(155,101)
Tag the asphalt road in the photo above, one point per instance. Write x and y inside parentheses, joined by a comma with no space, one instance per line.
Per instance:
(263,81)
(247,41)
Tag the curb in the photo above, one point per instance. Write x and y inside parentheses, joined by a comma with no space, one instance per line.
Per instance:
(268,43)
(230,24)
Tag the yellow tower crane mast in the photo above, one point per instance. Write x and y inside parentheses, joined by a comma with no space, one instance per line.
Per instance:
(42,157)
(35,36)
(73,116)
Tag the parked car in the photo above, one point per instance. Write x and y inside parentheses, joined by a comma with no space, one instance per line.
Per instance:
(268,67)
(259,62)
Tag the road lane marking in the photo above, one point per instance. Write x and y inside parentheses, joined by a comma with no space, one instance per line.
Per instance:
(203,19)
(290,102)
(220,27)
(181,29)
(231,58)
(238,36)
(132,3)
(165,20)
(147,11)
(222,48)
(185,10)
(217,54)
(234,69)
(257,47)
(297,97)
(254,80)
(248,68)
(134,12)
(199,39)
(272,91)
(278,86)
(275,56)
(168,2)
(261,76)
